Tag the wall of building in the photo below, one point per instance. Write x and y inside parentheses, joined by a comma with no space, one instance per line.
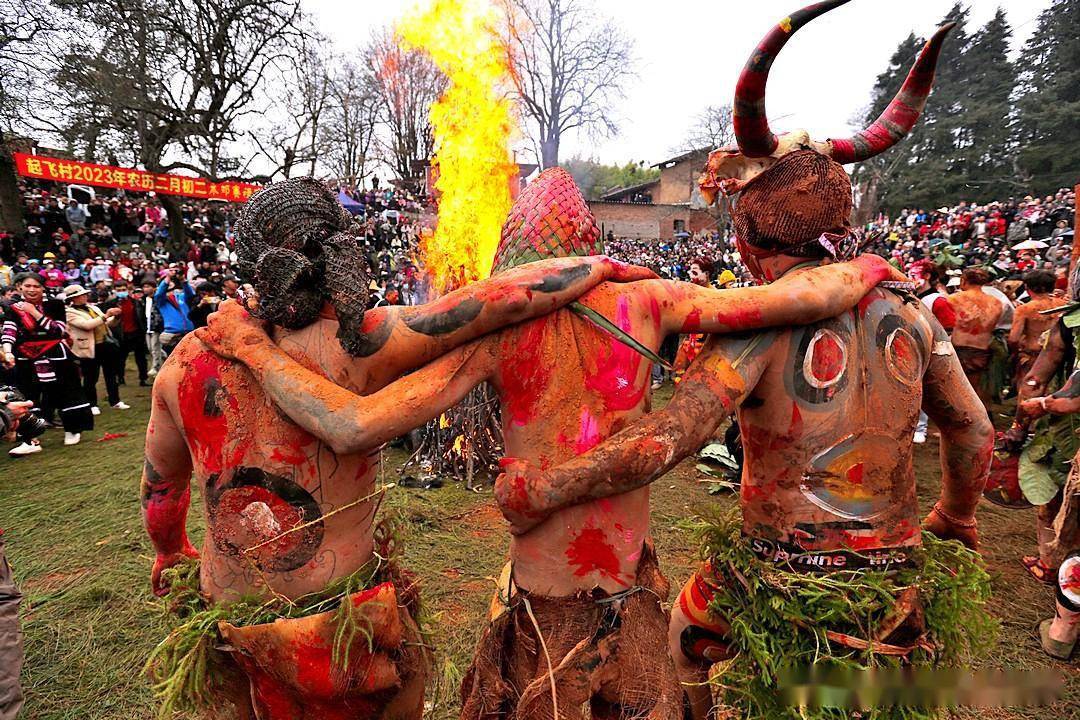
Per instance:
(639,220)
(676,183)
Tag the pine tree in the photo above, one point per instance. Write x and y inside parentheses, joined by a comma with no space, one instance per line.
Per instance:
(985,148)
(926,168)
(1049,102)
(877,178)
(937,173)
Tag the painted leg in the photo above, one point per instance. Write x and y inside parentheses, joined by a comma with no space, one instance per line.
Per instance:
(693,674)
(1044,530)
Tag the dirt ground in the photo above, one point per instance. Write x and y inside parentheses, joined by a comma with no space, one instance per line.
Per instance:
(73,534)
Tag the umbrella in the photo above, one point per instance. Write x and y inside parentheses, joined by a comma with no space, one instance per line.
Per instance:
(354,207)
(1030,245)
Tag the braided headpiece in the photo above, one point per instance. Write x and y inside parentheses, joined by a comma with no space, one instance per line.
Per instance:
(294,244)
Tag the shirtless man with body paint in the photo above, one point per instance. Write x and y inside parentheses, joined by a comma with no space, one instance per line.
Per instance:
(826,412)
(1030,326)
(1060,633)
(563,386)
(287,514)
(977,316)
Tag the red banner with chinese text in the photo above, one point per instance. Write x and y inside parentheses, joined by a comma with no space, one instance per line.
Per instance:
(74,171)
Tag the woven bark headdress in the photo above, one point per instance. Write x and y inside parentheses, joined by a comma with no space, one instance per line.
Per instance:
(730,168)
(295,245)
(549,219)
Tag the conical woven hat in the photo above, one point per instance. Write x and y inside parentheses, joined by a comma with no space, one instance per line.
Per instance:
(550,219)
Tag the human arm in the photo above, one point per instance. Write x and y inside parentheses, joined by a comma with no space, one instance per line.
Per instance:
(82,320)
(1046,365)
(1016,330)
(351,423)
(967,442)
(166,489)
(161,291)
(406,337)
(722,376)
(1064,401)
(401,338)
(798,298)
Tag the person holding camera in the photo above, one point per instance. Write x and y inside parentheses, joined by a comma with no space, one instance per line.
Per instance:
(173,299)
(95,345)
(32,342)
(209,299)
(131,329)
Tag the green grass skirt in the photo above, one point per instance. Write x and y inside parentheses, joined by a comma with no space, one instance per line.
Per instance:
(779,619)
(181,667)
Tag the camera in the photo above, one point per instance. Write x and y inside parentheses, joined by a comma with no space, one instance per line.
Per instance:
(30,425)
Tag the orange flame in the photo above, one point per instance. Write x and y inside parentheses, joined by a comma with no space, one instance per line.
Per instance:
(473,124)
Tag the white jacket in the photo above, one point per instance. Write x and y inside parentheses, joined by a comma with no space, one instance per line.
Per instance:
(82,324)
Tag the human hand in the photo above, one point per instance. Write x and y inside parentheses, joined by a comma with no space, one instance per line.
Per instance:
(515,493)
(1034,407)
(618,271)
(7,360)
(28,308)
(11,412)
(950,528)
(165,561)
(232,330)
(112,312)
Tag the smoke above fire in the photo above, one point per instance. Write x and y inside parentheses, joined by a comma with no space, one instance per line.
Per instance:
(473,125)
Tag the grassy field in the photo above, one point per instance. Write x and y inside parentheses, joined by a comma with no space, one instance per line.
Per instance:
(73,533)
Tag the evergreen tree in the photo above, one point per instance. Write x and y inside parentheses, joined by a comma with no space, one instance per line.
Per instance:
(985,148)
(927,168)
(1049,102)
(876,178)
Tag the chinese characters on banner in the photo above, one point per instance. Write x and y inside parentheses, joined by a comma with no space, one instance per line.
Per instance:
(73,171)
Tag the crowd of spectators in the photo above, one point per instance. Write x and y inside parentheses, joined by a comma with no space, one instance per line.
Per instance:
(117,285)
(971,235)
(967,235)
(101,273)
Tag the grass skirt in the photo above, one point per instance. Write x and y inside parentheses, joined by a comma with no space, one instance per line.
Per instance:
(782,619)
(184,667)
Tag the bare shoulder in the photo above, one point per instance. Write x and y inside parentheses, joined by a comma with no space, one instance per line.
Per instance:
(318,349)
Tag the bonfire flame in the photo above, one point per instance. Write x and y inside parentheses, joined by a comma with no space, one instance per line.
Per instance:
(473,124)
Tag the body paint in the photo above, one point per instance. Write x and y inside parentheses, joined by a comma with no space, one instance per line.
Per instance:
(590,552)
(436,321)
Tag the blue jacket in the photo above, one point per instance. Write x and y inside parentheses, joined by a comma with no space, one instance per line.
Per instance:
(174,307)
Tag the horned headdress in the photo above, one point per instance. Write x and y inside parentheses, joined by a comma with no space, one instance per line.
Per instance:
(759,148)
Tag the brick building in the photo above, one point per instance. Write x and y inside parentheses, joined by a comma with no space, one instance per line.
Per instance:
(659,208)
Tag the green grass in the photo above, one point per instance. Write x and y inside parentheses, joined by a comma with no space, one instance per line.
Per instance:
(74,538)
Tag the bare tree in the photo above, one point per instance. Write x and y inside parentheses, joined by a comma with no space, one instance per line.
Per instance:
(294,135)
(710,129)
(24,28)
(171,82)
(407,83)
(350,128)
(569,65)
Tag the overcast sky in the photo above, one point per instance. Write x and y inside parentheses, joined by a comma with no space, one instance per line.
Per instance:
(690,53)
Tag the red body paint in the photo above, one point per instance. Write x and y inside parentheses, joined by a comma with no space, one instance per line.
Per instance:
(314,669)
(288,457)
(230,521)
(207,433)
(827,361)
(590,552)
(523,373)
(162,524)
(617,371)
(693,321)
